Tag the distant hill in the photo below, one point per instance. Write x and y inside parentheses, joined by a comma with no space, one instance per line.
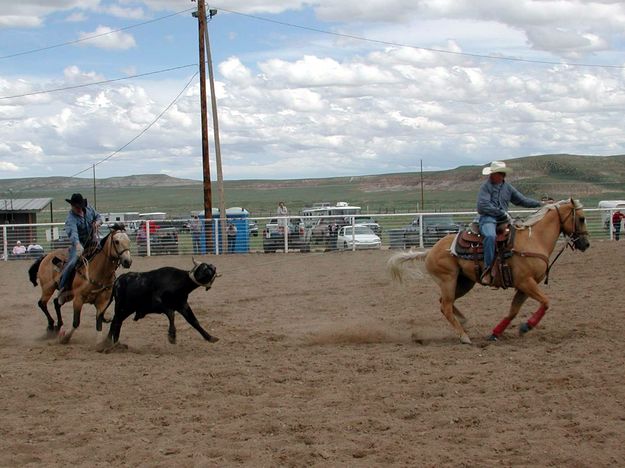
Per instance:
(553,173)
(547,173)
(70,183)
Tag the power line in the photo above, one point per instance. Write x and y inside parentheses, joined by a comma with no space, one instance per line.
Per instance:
(429,49)
(142,131)
(88,38)
(84,85)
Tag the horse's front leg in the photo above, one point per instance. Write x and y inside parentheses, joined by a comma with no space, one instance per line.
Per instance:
(517,302)
(59,317)
(64,336)
(530,287)
(43,305)
(101,303)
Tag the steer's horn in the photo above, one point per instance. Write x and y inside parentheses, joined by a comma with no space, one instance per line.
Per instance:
(195,262)
(219,275)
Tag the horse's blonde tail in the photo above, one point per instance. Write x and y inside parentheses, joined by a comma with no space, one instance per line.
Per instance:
(395,264)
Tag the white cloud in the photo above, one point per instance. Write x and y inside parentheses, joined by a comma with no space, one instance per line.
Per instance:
(76,17)
(8,167)
(126,13)
(106,39)
(314,105)
(15,21)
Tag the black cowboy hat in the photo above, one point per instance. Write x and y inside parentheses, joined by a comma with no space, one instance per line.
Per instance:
(78,200)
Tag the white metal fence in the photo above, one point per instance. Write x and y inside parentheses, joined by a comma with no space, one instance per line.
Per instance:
(303,234)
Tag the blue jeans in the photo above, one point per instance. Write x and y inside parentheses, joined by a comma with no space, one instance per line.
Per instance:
(69,267)
(488,229)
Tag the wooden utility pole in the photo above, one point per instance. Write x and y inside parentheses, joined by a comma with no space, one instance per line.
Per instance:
(95,200)
(422,201)
(208,196)
(220,176)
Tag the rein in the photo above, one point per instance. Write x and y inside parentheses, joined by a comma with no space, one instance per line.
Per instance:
(570,241)
(115,260)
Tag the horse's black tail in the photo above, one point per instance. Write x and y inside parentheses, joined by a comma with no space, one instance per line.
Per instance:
(34,269)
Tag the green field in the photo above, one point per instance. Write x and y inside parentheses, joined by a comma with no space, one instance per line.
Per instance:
(179,201)
(589,178)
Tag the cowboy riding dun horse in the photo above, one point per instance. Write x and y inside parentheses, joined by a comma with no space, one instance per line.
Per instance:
(92,283)
(533,242)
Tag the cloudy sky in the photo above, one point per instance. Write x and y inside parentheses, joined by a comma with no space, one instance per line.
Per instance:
(308,88)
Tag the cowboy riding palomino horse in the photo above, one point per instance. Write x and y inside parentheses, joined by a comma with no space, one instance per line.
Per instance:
(92,283)
(534,241)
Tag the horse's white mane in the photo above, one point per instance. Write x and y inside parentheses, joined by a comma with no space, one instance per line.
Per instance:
(540,214)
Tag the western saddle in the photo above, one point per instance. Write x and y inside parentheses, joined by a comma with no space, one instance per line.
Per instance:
(470,246)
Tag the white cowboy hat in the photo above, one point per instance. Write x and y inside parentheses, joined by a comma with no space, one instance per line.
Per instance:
(496,166)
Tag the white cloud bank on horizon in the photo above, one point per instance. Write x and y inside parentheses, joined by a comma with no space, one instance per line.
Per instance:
(346,113)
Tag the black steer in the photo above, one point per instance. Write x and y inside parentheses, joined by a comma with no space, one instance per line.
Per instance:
(161,291)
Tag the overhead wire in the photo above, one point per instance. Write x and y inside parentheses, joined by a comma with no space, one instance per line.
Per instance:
(94,36)
(429,49)
(142,131)
(84,85)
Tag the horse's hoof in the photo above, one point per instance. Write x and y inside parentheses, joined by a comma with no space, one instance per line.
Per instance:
(493,338)
(117,347)
(464,339)
(103,345)
(172,339)
(213,339)
(64,337)
(524,328)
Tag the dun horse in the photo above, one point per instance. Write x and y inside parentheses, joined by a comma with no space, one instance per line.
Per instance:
(533,244)
(92,283)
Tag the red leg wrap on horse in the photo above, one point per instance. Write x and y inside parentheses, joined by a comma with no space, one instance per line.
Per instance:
(536,317)
(499,329)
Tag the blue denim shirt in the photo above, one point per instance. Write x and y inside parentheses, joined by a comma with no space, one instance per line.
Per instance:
(493,200)
(79,228)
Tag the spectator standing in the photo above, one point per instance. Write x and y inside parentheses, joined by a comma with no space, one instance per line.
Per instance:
(282,213)
(232,237)
(195,228)
(19,249)
(616,223)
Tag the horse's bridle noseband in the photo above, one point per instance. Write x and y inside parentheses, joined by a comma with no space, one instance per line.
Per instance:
(118,254)
(577,233)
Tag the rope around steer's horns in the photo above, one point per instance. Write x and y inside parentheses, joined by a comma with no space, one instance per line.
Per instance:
(192,277)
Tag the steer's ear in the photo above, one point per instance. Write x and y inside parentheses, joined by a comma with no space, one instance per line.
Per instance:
(195,262)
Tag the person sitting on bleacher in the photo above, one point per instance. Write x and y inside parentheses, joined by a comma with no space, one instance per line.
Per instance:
(19,249)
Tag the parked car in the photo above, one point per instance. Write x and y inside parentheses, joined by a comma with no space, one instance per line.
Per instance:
(324,230)
(273,236)
(435,227)
(360,236)
(370,223)
(253,228)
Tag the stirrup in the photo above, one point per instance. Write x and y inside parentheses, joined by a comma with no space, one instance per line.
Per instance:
(64,296)
(487,272)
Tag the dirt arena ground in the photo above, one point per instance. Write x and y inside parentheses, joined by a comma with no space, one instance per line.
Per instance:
(317,365)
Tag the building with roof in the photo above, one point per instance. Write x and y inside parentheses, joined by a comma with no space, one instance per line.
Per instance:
(22,210)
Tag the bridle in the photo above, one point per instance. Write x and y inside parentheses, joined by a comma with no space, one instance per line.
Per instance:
(112,246)
(577,233)
(115,260)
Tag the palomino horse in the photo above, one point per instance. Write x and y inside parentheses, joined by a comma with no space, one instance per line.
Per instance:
(92,283)
(533,244)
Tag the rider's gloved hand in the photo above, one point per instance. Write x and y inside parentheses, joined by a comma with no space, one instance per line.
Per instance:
(79,249)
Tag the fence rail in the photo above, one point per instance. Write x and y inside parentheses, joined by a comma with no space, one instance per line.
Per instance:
(278,234)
